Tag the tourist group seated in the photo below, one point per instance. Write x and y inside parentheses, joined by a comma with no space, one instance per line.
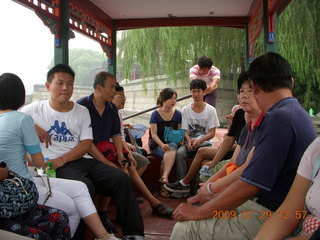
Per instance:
(70,161)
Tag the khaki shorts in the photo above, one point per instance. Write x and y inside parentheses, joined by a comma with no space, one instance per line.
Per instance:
(141,160)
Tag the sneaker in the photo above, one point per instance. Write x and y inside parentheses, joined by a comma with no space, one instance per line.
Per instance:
(162,210)
(179,195)
(176,187)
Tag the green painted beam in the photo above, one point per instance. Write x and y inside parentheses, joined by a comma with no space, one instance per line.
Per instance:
(61,40)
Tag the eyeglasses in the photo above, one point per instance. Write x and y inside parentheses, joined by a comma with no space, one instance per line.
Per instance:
(121,96)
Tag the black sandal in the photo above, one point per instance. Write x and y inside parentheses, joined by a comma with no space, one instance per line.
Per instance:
(162,210)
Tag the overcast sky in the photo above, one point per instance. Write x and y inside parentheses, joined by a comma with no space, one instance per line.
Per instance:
(27,45)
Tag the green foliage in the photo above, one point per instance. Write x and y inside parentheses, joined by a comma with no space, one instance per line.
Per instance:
(173,50)
(299,37)
(86,64)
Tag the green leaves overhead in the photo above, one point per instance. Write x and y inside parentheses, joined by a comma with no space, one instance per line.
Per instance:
(299,41)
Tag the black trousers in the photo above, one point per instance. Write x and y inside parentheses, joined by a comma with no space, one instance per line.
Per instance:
(108,181)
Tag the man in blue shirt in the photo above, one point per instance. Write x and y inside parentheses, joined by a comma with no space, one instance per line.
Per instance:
(104,116)
(285,133)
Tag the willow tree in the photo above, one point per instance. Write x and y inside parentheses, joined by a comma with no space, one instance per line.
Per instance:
(299,41)
(174,50)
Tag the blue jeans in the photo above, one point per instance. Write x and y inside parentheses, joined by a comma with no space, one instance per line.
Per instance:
(158,152)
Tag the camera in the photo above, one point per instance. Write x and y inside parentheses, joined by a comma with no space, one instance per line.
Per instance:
(126,163)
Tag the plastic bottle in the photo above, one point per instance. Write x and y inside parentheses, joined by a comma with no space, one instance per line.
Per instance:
(50,171)
(311,112)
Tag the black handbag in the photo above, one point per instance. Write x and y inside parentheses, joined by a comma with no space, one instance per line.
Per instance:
(18,195)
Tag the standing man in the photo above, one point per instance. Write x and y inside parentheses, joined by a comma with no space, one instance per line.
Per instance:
(65,128)
(285,133)
(210,74)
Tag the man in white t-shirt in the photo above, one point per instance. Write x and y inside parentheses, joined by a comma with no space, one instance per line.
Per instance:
(65,132)
(210,74)
(200,120)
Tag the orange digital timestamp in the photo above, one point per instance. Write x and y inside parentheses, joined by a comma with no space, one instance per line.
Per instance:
(263,214)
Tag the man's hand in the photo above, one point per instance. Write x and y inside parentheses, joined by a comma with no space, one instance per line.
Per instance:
(202,196)
(131,147)
(43,136)
(132,160)
(186,212)
(195,144)
(190,144)
(57,162)
(121,158)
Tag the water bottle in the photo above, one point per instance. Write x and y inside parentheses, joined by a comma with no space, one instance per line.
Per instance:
(311,112)
(50,171)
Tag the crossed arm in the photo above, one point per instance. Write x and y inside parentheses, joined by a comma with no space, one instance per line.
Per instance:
(232,197)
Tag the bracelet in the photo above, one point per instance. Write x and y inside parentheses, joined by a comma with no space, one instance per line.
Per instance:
(102,236)
(208,188)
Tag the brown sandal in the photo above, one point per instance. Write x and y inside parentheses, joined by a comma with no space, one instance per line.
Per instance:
(163,192)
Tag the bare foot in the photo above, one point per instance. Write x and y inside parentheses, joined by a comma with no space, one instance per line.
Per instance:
(164,180)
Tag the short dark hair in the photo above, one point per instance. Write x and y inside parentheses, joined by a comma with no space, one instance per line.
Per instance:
(198,83)
(100,79)
(12,92)
(57,69)
(243,77)
(270,72)
(119,88)
(165,94)
(205,62)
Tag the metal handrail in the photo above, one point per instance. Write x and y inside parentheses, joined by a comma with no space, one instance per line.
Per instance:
(153,108)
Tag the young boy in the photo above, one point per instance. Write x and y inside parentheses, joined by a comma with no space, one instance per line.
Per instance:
(200,120)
